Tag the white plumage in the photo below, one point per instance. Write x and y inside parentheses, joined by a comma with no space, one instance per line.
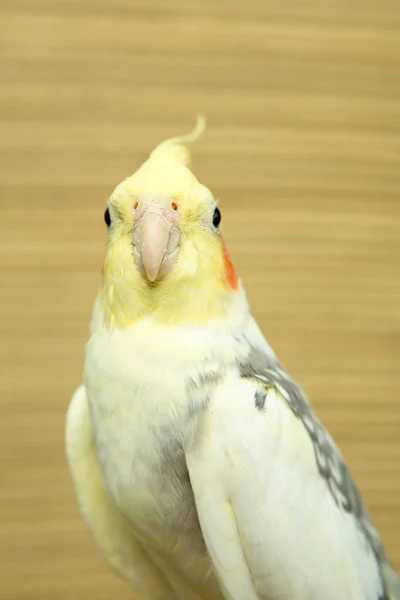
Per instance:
(201,470)
(269,519)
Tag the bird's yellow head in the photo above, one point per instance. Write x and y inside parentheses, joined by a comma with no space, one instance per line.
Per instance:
(165,253)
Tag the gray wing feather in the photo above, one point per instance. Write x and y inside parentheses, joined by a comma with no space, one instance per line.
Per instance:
(330,462)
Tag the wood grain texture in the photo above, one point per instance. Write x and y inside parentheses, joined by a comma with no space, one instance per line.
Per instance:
(303,150)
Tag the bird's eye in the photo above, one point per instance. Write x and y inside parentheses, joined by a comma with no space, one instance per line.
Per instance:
(216,218)
(107,217)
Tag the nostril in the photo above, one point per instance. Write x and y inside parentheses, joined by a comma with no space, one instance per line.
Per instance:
(174,205)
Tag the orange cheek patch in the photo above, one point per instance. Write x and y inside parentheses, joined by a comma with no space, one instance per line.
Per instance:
(230,272)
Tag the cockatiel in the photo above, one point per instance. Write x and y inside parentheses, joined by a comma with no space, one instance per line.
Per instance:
(198,464)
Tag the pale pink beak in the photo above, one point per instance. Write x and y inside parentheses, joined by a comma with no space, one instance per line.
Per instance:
(156,241)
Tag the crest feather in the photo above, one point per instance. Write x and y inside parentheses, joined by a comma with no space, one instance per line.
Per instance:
(175,149)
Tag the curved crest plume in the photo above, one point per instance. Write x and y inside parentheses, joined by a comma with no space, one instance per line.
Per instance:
(175,148)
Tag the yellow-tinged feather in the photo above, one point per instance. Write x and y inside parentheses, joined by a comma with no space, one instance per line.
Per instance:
(167,172)
(195,289)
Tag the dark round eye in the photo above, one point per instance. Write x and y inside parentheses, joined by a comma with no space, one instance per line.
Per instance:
(107,217)
(216,218)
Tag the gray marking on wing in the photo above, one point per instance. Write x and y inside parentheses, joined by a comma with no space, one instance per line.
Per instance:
(329,460)
(260,397)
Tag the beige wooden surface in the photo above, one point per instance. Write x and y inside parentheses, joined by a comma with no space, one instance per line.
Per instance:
(303,150)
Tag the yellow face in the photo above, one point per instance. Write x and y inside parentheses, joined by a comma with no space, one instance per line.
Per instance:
(165,255)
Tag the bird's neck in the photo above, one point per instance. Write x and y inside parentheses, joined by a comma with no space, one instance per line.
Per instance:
(118,306)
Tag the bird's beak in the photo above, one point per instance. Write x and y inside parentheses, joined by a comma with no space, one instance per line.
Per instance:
(156,241)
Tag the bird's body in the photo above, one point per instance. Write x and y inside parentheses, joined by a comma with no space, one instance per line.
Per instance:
(198,463)
(150,485)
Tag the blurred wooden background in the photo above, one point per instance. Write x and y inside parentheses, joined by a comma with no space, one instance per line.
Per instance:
(303,150)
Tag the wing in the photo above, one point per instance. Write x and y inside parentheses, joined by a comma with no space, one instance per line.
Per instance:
(264,368)
(107,526)
(278,509)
